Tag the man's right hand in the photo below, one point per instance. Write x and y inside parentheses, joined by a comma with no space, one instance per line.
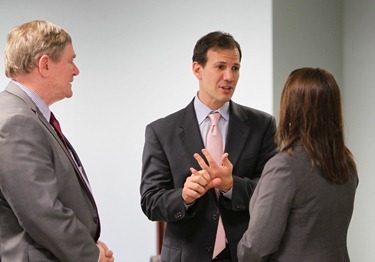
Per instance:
(197,184)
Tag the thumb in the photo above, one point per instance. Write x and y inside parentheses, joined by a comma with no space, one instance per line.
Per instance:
(213,183)
(225,159)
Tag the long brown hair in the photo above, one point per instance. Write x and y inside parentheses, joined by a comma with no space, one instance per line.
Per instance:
(311,115)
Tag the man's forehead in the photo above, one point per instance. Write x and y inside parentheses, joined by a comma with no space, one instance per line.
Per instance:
(69,50)
(223,55)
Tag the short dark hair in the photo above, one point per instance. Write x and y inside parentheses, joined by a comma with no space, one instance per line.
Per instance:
(215,40)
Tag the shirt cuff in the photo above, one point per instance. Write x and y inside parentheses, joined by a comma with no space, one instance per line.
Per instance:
(228,194)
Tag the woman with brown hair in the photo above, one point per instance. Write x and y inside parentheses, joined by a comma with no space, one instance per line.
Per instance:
(303,203)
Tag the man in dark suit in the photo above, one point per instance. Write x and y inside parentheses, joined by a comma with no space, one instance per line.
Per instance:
(178,181)
(47,211)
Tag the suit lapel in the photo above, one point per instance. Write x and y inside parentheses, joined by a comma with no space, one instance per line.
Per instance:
(77,164)
(238,132)
(15,90)
(189,132)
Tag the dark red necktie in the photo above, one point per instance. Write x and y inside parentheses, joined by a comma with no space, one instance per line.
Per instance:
(57,128)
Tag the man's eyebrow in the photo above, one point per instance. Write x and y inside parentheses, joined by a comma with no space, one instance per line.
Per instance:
(223,62)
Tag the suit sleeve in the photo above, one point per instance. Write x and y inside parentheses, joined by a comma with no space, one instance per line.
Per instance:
(30,187)
(269,209)
(160,201)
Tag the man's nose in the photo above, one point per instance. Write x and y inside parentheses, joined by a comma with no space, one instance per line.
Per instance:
(229,75)
(76,70)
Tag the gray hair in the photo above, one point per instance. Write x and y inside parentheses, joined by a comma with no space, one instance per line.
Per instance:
(30,41)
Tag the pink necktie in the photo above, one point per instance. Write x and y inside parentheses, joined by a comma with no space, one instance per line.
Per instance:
(214,145)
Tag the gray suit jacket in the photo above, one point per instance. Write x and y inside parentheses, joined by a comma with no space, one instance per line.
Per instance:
(168,155)
(297,215)
(46,212)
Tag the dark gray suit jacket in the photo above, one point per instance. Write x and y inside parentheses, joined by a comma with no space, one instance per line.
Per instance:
(297,215)
(168,155)
(46,212)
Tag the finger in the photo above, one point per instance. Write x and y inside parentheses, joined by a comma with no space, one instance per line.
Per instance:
(201,177)
(200,161)
(205,175)
(196,183)
(103,245)
(109,253)
(225,159)
(210,160)
(189,195)
(194,192)
(214,183)
(194,171)
(201,173)
(201,180)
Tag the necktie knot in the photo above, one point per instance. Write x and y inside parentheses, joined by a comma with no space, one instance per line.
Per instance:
(56,126)
(214,117)
(214,143)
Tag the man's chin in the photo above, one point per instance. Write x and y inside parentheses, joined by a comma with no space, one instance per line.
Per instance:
(69,95)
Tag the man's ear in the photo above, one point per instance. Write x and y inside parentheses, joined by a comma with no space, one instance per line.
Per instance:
(43,65)
(197,70)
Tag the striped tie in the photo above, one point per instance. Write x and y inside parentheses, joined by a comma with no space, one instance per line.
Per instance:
(215,148)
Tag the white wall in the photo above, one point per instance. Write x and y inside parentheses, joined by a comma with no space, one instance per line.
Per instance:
(305,34)
(359,99)
(135,63)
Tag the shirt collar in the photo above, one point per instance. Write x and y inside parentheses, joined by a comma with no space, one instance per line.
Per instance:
(202,111)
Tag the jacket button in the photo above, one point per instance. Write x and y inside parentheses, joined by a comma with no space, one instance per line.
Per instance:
(241,207)
(178,215)
(214,216)
(210,249)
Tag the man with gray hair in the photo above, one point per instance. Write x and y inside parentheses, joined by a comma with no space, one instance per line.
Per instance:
(47,210)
